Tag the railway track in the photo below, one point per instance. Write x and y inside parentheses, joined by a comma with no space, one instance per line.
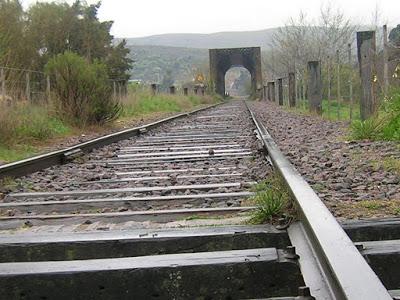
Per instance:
(156,216)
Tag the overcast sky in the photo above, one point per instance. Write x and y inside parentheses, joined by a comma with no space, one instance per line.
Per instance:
(134,18)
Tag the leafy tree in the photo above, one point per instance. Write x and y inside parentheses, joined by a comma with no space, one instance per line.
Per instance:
(394,36)
(31,39)
(118,62)
(13,49)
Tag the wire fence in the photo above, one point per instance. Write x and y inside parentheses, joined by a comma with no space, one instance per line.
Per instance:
(24,85)
(341,86)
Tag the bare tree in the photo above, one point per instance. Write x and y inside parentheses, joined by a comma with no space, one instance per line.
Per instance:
(302,40)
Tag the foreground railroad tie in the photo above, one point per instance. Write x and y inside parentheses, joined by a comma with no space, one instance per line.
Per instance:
(98,227)
(224,274)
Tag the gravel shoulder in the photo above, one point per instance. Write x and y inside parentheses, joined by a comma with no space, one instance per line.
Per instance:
(355,179)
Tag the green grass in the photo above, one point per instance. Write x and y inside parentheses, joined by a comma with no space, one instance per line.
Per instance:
(370,129)
(23,127)
(142,103)
(330,110)
(16,152)
(385,125)
(389,164)
(272,200)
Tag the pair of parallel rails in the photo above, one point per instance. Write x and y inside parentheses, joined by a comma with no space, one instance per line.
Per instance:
(195,169)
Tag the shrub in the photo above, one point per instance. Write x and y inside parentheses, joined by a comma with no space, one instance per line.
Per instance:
(83,91)
(391,128)
(369,129)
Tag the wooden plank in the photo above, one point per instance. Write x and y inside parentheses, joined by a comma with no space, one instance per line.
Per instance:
(137,242)
(114,202)
(160,216)
(174,171)
(233,274)
(187,147)
(167,153)
(153,178)
(130,190)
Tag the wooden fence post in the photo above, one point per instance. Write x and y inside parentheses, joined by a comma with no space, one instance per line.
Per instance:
(153,89)
(338,92)
(120,90)
(315,86)
(272,93)
(385,61)
(3,83)
(28,87)
(350,81)
(265,93)
(366,48)
(48,88)
(280,91)
(114,90)
(329,85)
(292,90)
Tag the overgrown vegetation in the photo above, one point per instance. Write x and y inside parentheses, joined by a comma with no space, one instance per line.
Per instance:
(25,127)
(26,123)
(272,200)
(140,102)
(82,89)
(385,125)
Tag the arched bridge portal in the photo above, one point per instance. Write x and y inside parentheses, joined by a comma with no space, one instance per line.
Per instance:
(221,60)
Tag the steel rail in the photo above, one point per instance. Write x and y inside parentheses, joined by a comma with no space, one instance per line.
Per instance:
(42,161)
(343,272)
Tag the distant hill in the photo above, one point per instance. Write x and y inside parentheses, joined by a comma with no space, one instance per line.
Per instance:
(260,38)
(152,63)
(181,53)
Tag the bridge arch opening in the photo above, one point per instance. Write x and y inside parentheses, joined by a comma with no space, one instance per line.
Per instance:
(238,82)
(221,60)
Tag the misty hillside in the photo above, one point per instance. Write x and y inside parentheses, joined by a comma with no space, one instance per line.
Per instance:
(152,63)
(179,54)
(205,41)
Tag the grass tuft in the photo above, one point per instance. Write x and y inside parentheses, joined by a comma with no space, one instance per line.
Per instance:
(369,129)
(272,199)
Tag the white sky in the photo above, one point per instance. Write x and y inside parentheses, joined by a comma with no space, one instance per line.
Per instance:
(134,18)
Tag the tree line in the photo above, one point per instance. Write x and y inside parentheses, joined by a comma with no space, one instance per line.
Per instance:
(29,39)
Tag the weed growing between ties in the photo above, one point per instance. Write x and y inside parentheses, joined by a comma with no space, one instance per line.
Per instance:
(272,200)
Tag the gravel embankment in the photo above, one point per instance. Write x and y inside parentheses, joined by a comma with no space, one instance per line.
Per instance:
(354,179)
